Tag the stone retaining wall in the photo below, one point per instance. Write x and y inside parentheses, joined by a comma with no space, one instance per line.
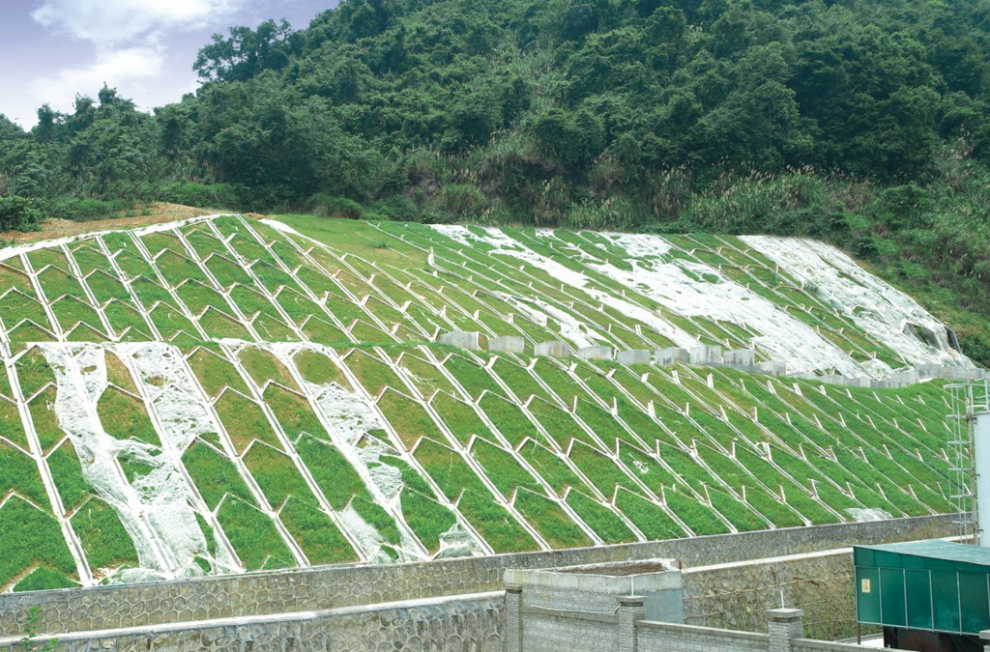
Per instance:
(331,589)
(461,623)
(738,596)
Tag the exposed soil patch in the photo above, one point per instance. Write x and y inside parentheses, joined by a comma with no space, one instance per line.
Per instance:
(157,212)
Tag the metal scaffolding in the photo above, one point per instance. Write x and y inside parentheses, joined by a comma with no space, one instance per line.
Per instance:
(965,400)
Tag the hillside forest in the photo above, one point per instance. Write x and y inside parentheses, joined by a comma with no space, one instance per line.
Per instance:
(861,123)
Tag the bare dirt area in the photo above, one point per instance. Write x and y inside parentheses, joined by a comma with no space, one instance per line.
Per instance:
(154,213)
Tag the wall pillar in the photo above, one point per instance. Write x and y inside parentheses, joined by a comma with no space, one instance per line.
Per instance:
(785,625)
(513,618)
(630,610)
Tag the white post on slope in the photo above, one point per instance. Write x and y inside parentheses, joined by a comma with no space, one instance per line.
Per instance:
(981,458)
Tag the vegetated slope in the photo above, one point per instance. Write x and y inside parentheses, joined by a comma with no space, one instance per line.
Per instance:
(222,394)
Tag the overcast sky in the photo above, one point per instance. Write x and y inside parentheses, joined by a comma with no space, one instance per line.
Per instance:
(53,50)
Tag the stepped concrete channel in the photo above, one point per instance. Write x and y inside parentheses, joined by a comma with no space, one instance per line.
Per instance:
(459,604)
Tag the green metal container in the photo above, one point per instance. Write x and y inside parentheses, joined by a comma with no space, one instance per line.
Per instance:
(931,585)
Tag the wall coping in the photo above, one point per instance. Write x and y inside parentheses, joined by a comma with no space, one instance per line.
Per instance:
(708,631)
(571,614)
(594,582)
(811,645)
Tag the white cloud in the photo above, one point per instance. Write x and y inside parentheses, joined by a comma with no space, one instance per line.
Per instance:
(115,21)
(113,67)
(129,38)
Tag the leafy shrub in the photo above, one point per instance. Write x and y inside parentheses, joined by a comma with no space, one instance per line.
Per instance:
(463,200)
(216,195)
(18,214)
(396,208)
(84,209)
(324,205)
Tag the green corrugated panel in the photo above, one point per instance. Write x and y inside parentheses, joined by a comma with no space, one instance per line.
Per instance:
(919,598)
(945,598)
(863,557)
(974,602)
(893,601)
(868,595)
(930,585)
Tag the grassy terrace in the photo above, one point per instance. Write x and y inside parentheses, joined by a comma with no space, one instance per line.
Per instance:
(520,453)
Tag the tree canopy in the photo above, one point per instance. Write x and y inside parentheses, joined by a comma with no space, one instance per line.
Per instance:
(541,105)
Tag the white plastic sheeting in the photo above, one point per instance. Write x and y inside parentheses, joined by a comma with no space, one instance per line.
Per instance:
(350,419)
(694,289)
(503,245)
(680,287)
(175,399)
(866,515)
(155,510)
(874,306)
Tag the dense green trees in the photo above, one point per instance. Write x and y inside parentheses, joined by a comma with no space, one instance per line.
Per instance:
(248,52)
(862,122)
(601,97)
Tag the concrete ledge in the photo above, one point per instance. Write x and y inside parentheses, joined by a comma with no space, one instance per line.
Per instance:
(810,645)
(664,577)
(704,631)
(567,614)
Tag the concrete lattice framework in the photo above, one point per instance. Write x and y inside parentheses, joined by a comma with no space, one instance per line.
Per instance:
(221,394)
